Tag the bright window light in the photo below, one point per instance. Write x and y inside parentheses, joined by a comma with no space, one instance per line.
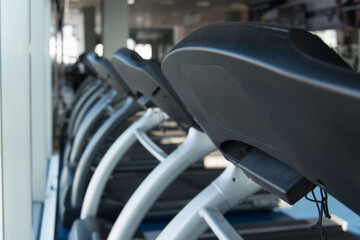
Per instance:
(130,43)
(99,49)
(52,47)
(144,50)
(70,45)
(215,160)
(329,36)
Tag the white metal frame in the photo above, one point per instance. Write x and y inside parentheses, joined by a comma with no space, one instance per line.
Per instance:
(206,209)
(78,114)
(93,99)
(79,183)
(79,103)
(113,156)
(86,125)
(196,146)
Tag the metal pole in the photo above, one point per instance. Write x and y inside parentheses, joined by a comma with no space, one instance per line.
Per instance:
(87,125)
(195,147)
(79,104)
(229,189)
(113,156)
(79,184)
(86,107)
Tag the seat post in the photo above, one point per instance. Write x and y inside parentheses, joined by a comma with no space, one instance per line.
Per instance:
(89,104)
(79,104)
(129,108)
(196,146)
(87,124)
(229,189)
(113,156)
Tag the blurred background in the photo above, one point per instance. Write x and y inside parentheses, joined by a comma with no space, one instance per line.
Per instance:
(152,27)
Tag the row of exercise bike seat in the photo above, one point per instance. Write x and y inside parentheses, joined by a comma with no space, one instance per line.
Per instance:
(276,102)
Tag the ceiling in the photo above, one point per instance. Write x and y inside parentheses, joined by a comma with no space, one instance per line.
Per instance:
(183,4)
(179,12)
(166,13)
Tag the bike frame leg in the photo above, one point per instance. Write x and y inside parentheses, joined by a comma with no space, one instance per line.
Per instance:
(78,105)
(72,128)
(130,107)
(75,184)
(93,99)
(83,88)
(196,146)
(230,188)
(88,123)
(113,156)
(67,152)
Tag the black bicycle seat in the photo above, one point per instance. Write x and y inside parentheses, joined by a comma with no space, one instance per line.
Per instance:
(146,79)
(106,71)
(281,91)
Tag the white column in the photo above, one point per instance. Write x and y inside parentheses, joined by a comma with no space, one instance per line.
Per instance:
(15,119)
(39,81)
(89,28)
(48,79)
(115,25)
(26,125)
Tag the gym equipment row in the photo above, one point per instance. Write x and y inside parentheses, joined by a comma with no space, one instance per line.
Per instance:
(79,160)
(277,102)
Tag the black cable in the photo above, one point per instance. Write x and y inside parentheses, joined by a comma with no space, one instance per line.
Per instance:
(323,209)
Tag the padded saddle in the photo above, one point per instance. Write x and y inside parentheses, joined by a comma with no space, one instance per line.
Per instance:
(145,79)
(107,72)
(279,91)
